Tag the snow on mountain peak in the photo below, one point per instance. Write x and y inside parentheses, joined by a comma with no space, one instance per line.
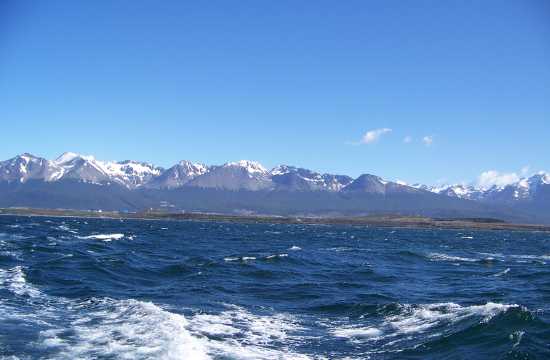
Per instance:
(27,157)
(492,184)
(250,166)
(248,174)
(315,180)
(65,157)
(131,173)
(193,169)
(281,170)
(127,167)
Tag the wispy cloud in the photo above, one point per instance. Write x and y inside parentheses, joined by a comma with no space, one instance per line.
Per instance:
(374,135)
(408,139)
(428,140)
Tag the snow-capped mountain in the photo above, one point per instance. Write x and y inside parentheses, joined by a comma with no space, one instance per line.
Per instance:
(243,175)
(78,181)
(79,167)
(25,167)
(367,183)
(178,175)
(460,191)
(82,181)
(525,189)
(373,184)
(299,179)
(72,166)
(240,175)
(131,174)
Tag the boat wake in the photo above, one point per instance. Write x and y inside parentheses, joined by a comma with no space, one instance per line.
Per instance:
(132,329)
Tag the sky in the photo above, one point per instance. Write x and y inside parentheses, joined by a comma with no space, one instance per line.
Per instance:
(423,91)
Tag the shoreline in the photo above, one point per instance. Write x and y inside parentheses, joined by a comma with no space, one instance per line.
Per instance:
(373,220)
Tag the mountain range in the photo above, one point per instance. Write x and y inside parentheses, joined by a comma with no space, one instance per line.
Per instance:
(83,182)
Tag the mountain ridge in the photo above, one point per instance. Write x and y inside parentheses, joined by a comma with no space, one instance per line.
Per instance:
(247,186)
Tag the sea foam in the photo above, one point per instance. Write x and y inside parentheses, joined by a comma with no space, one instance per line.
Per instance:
(104,237)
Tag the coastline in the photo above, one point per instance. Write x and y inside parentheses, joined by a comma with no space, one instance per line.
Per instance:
(395,221)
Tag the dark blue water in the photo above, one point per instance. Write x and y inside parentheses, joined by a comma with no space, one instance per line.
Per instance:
(112,289)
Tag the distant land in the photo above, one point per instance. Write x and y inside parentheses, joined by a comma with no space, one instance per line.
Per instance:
(380,221)
(246,188)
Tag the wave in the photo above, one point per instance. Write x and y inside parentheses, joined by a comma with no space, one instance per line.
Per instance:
(240,334)
(104,237)
(133,329)
(15,281)
(357,332)
(539,258)
(239,258)
(340,249)
(276,256)
(65,228)
(412,320)
(127,329)
(455,259)
(227,259)
(445,257)
(503,272)
(519,258)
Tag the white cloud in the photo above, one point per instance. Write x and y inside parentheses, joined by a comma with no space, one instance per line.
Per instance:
(491,178)
(408,139)
(428,140)
(525,170)
(372,136)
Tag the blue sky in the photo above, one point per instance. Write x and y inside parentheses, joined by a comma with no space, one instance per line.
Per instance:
(296,82)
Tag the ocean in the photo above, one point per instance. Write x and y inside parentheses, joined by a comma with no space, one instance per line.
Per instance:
(75,288)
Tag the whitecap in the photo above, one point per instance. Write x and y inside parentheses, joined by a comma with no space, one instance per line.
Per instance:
(66,228)
(504,272)
(236,333)
(244,258)
(131,329)
(104,237)
(340,248)
(351,332)
(14,280)
(125,329)
(445,257)
(531,257)
(417,319)
(276,256)
(295,248)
